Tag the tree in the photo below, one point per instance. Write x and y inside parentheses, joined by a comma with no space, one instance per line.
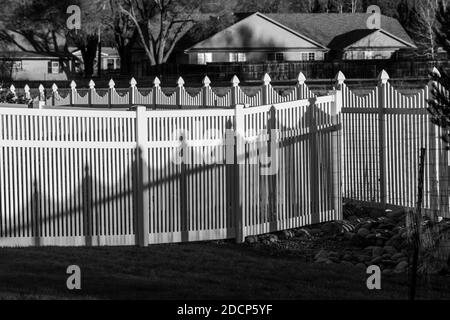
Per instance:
(160,24)
(123,30)
(93,15)
(439,105)
(423,27)
(36,25)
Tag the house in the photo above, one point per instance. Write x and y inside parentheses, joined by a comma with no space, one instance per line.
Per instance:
(110,59)
(24,65)
(283,37)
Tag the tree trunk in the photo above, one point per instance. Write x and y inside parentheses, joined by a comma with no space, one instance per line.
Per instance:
(88,53)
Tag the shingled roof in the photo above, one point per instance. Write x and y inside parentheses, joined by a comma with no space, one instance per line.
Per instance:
(337,30)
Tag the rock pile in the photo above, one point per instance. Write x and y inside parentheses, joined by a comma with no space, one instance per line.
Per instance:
(379,238)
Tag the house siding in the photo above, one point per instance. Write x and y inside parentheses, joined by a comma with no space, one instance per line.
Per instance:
(256,56)
(37,70)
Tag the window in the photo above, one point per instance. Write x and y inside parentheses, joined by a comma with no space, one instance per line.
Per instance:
(17,65)
(277,56)
(204,58)
(308,56)
(237,57)
(117,63)
(54,67)
(368,55)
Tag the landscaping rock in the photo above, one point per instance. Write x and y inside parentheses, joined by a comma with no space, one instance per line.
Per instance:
(376,260)
(286,235)
(376,213)
(321,254)
(315,232)
(390,249)
(395,214)
(349,235)
(397,256)
(251,239)
(363,232)
(347,263)
(377,251)
(302,233)
(359,241)
(401,266)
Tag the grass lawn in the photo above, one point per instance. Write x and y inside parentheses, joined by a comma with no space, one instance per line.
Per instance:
(192,271)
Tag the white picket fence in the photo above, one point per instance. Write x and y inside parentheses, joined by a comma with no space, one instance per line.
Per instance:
(383,133)
(90,177)
(156,98)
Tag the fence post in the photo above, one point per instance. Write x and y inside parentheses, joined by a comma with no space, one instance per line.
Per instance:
(41,96)
(91,92)
(300,87)
(336,108)
(26,89)
(73,92)
(179,92)
(111,85)
(156,91)
(239,132)
(142,192)
(132,95)
(314,161)
(54,94)
(206,89)
(383,80)
(234,90)
(266,90)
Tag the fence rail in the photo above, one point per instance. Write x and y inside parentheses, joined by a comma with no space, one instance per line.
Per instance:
(90,177)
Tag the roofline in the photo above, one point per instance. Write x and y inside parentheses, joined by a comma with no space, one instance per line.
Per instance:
(270,20)
(387,33)
(260,49)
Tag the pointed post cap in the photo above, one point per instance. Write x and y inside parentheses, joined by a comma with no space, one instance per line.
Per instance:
(436,72)
(26,89)
(301,78)
(111,84)
(383,77)
(54,87)
(12,88)
(206,81)
(235,81)
(133,82)
(41,88)
(267,79)
(156,82)
(73,85)
(340,78)
(180,82)
(91,84)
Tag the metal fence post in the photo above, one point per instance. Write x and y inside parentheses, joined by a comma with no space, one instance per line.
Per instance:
(142,181)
